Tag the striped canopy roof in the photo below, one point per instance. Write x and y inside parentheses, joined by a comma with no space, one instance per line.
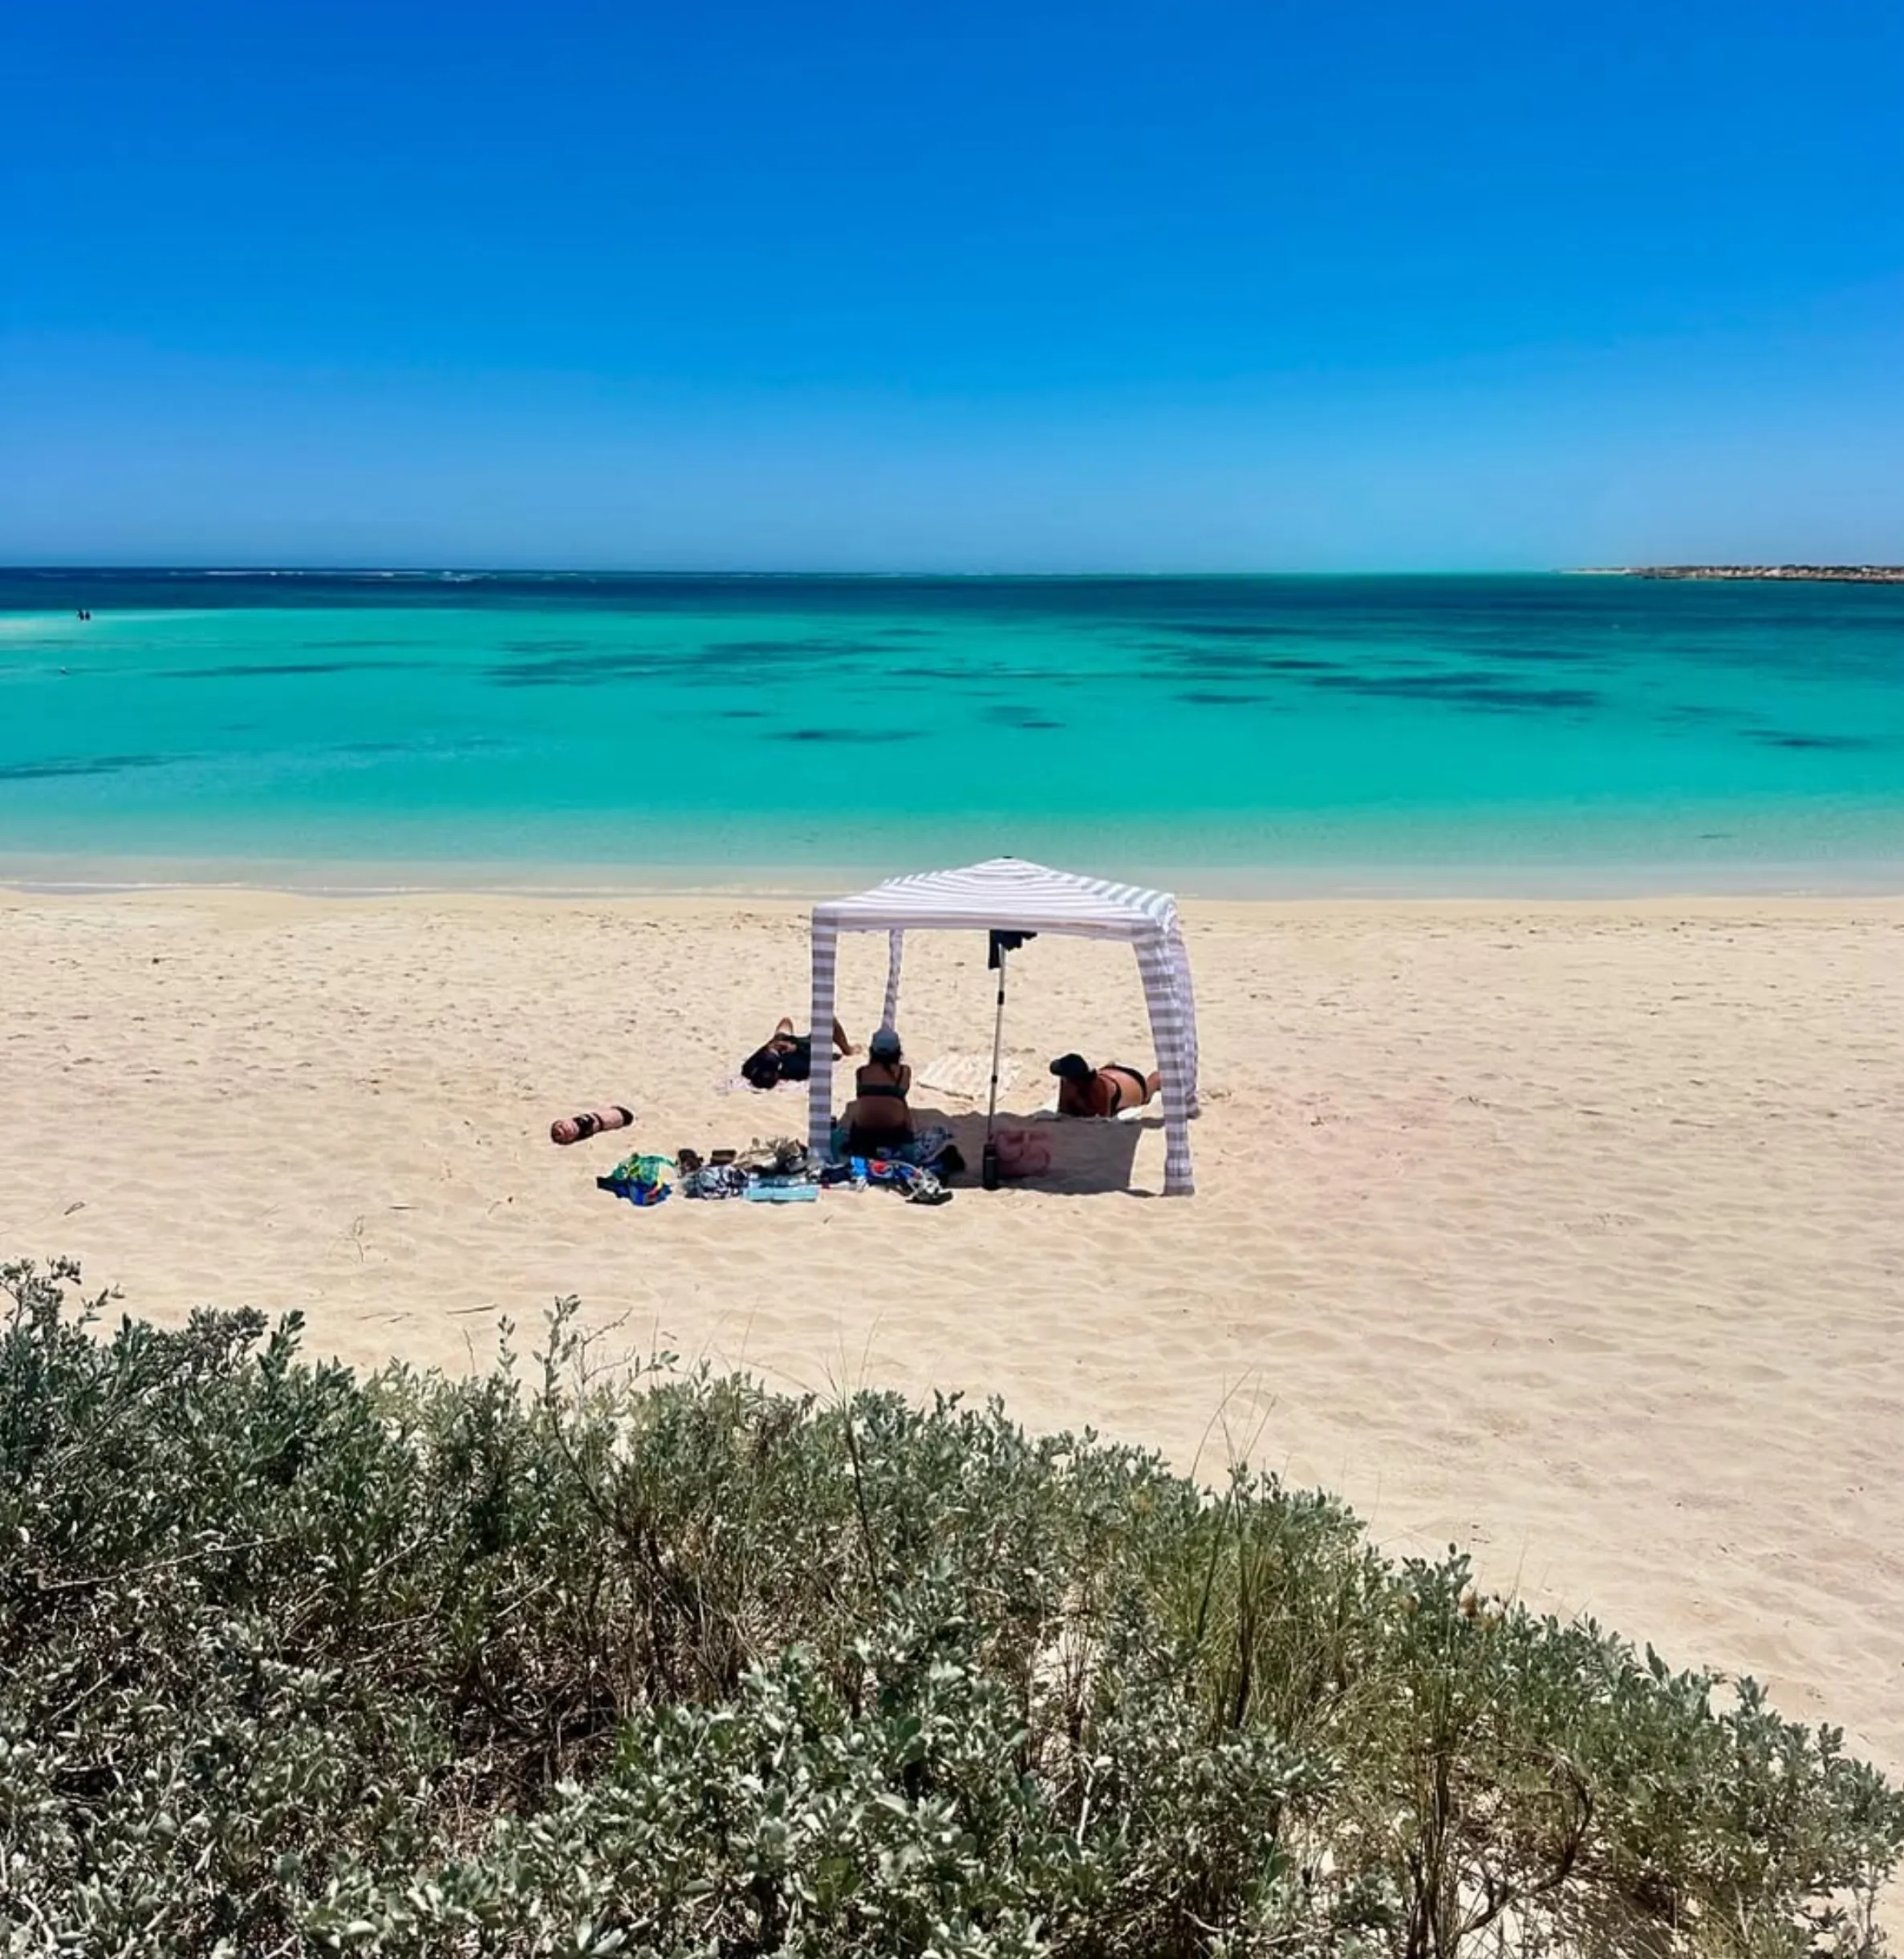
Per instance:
(1005,892)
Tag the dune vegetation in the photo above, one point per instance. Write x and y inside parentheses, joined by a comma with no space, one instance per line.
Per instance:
(568,1658)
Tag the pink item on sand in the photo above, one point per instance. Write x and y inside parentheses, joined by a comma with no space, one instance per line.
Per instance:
(1023,1153)
(573,1128)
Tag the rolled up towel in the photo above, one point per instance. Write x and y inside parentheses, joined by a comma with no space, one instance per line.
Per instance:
(573,1128)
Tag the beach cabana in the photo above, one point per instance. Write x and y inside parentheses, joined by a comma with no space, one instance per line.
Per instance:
(1005,894)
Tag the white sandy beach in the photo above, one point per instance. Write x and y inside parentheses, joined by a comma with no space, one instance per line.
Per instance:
(1573,1234)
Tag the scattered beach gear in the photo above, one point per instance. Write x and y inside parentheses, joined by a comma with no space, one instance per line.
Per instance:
(930,1147)
(780,1156)
(591,1123)
(642,1179)
(1011,897)
(714,1181)
(782,1191)
(777,1171)
(916,1186)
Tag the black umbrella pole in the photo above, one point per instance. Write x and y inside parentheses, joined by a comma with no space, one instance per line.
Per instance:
(988,1169)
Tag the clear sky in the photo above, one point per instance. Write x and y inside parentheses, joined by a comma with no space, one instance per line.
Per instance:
(1246,285)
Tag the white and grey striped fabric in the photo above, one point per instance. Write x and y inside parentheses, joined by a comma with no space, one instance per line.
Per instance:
(1005,894)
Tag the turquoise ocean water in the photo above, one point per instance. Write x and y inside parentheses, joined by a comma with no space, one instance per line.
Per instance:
(1232,733)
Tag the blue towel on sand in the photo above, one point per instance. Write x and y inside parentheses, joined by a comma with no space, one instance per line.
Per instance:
(766,1193)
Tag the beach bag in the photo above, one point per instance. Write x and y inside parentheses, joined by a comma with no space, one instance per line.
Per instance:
(643,1180)
(1023,1153)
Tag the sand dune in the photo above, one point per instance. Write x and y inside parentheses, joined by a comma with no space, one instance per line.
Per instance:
(1573,1233)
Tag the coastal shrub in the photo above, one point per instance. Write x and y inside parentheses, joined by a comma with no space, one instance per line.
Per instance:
(563,1659)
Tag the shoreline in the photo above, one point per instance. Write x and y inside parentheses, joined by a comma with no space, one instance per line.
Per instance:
(1374,882)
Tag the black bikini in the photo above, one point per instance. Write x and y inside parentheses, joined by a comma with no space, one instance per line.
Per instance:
(1143,1082)
(873,1142)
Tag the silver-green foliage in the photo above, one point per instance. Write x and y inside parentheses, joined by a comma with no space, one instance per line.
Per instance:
(651,1665)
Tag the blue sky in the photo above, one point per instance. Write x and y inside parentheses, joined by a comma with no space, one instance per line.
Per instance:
(1206,286)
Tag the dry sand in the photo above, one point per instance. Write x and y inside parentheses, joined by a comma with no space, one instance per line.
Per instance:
(1573,1233)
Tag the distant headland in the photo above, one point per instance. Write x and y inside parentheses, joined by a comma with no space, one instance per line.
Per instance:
(1842,574)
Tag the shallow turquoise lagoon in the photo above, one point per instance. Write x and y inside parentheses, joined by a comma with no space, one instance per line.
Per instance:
(1243,732)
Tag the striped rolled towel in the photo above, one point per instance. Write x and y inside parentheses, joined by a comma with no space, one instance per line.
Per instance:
(573,1128)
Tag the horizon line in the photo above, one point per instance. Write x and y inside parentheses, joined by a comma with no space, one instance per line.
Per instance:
(227,571)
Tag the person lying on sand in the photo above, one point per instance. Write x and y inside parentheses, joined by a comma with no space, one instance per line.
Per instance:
(1083,1090)
(788,1056)
(877,1119)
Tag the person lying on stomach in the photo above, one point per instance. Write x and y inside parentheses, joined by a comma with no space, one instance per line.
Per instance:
(1083,1090)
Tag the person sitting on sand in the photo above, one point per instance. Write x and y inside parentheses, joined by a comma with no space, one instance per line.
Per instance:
(1083,1090)
(788,1056)
(877,1119)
